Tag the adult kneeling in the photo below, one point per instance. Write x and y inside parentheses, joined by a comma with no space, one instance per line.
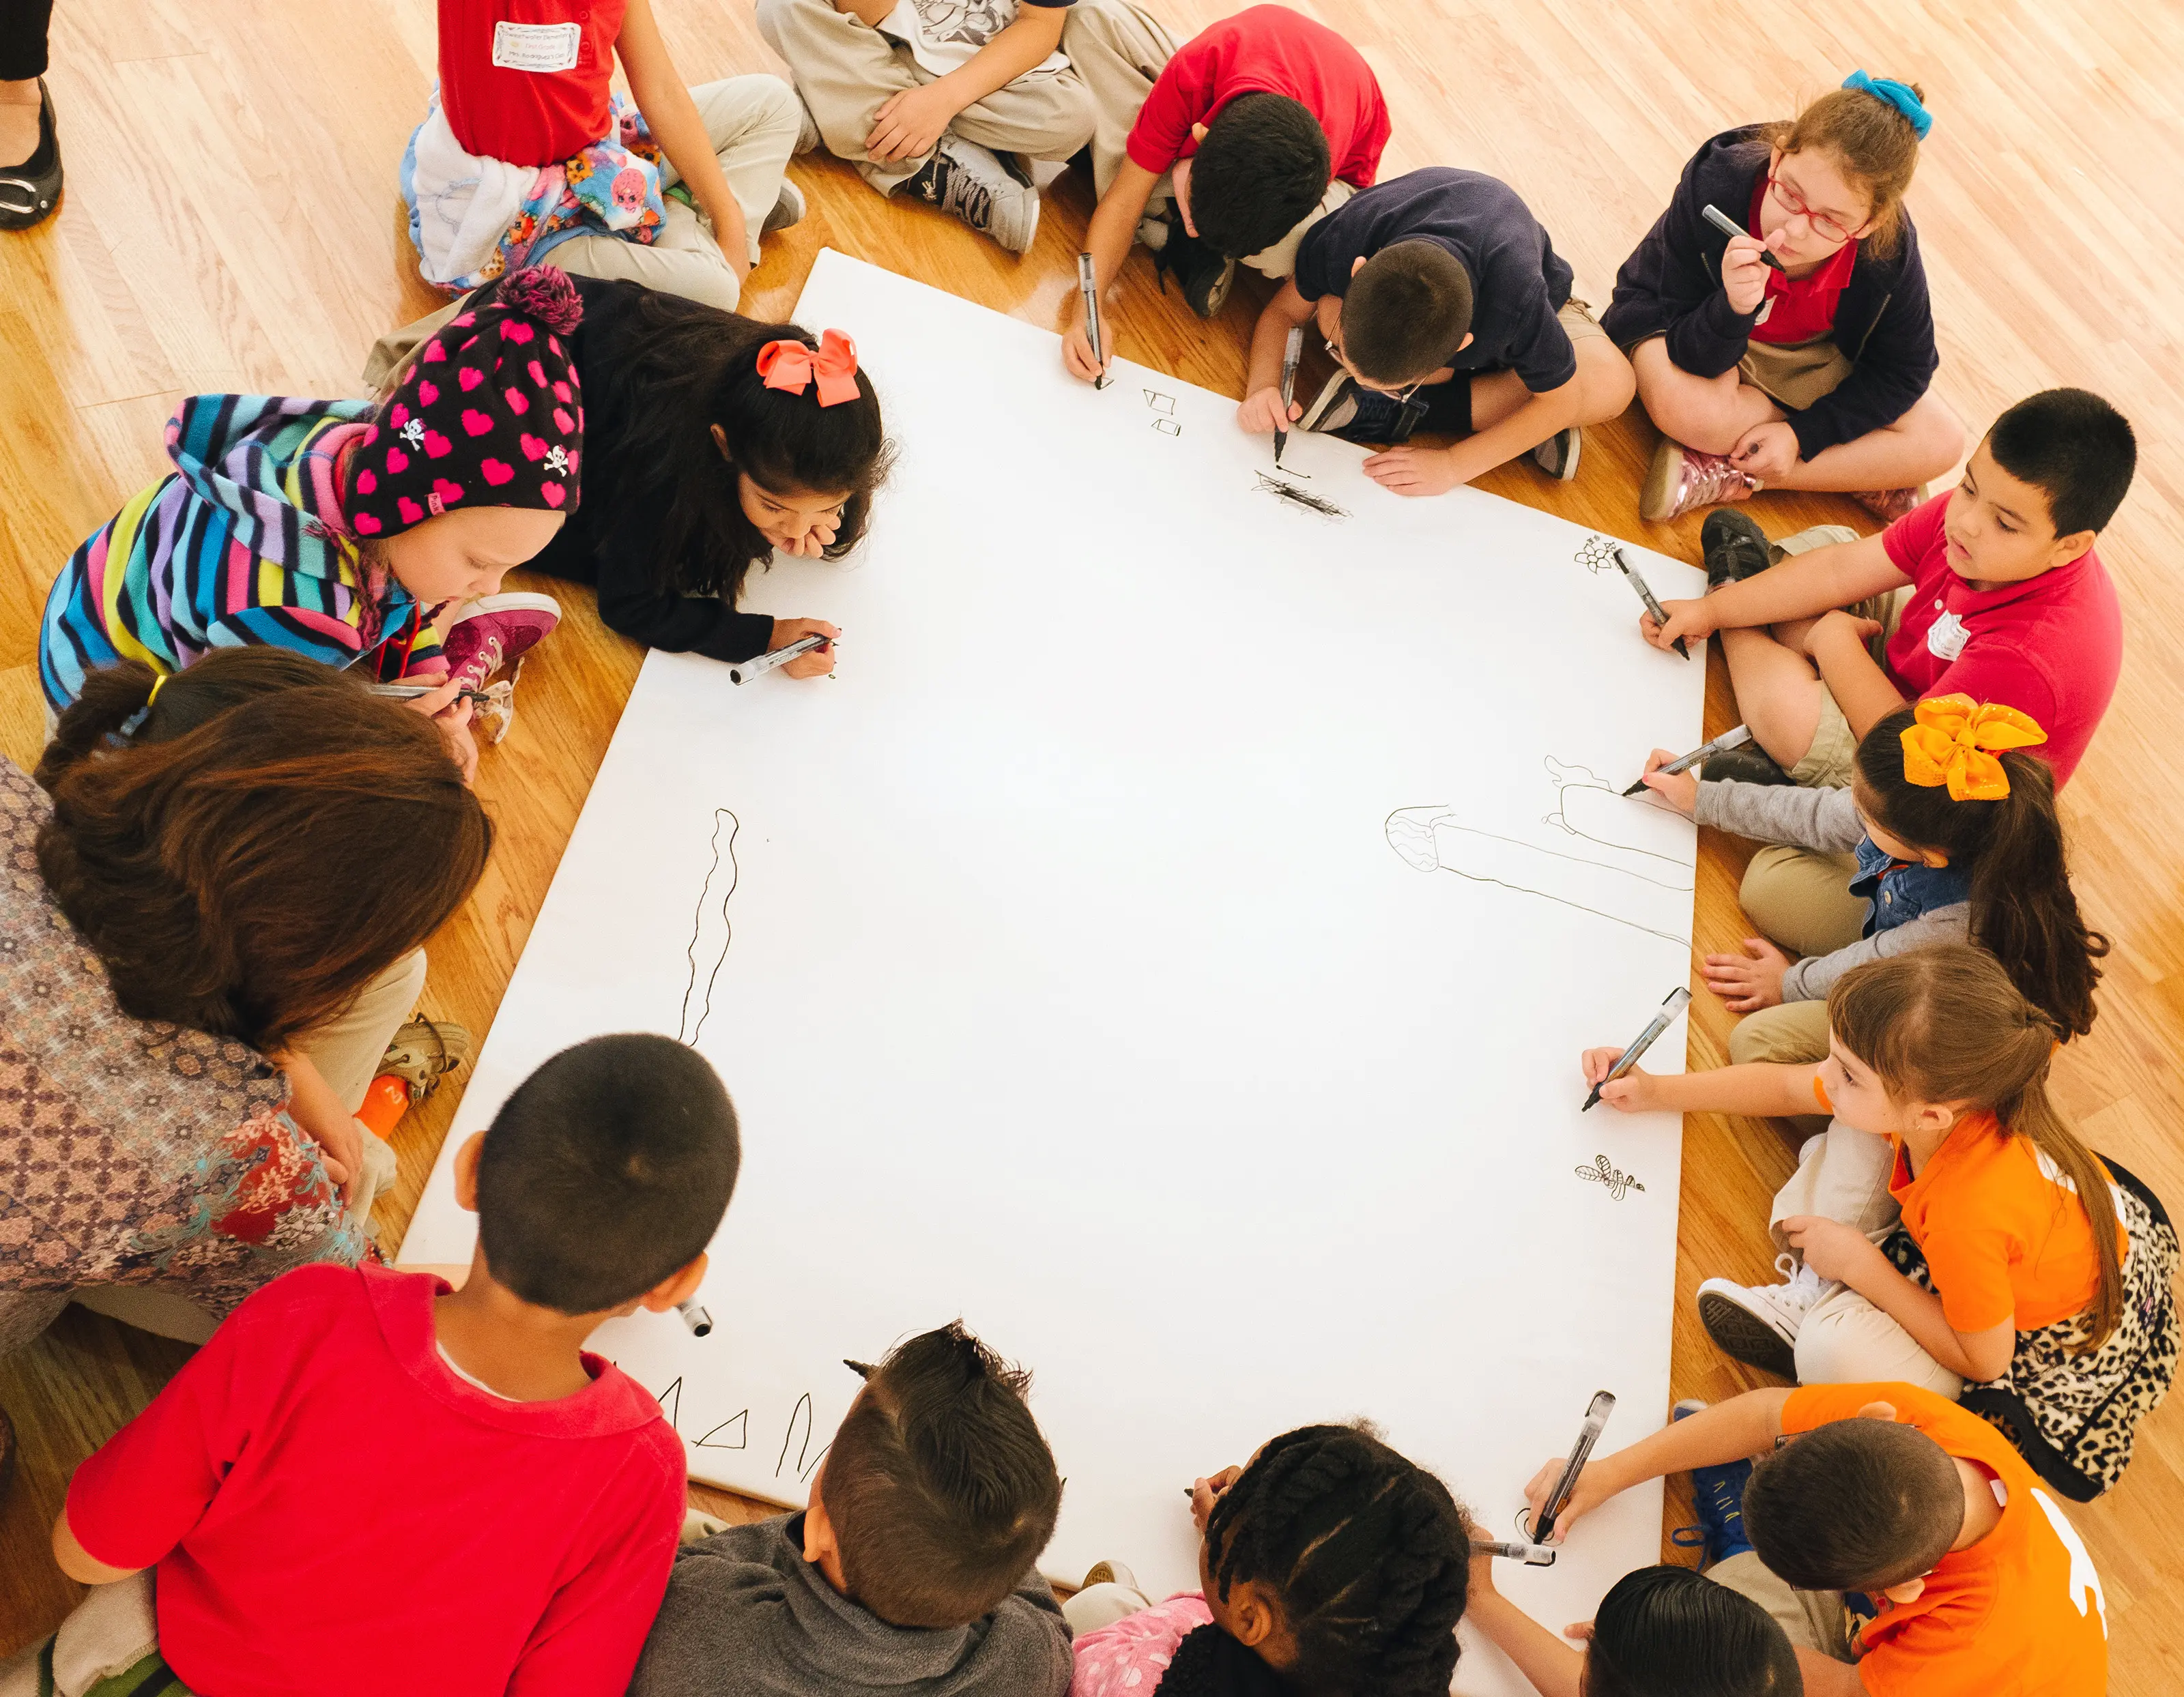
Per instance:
(207,877)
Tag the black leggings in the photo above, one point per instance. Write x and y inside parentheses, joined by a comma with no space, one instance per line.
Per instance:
(23,38)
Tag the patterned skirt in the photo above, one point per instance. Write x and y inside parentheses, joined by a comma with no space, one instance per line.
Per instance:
(2072,1413)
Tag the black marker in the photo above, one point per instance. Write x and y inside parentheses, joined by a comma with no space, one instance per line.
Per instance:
(1531,1555)
(1729,226)
(1677,1001)
(1646,594)
(1087,286)
(695,1318)
(1705,751)
(1292,351)
(1595,1418)
(742,671)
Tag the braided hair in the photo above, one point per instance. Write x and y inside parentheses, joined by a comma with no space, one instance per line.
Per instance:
(1365,1553)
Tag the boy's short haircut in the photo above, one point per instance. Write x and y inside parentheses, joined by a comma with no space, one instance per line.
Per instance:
(606,1171)
(1263,166)
(2076,447)
(941,1489)
(1856,1505)
(1672,1631)
(1407,312)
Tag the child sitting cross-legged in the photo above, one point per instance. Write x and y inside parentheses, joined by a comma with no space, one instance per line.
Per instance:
(1951,823)
(912,1568)
(1660,1632)
(1904,1547)
(1330,1564)
(511,1503)
(1948,1229)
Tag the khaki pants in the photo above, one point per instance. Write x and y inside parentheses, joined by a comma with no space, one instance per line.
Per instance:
(1801,900)
(1102,1606)
(752,123)
(845,69)
(1811,1620)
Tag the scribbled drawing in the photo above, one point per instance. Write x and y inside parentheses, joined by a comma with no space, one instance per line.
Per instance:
(730,1434)
(1596,555)
(671,1401)
(1167,426)
(1604,1172)
(799,1439)
(709,930)
(1158,402)
(1613,876)
(1300,500)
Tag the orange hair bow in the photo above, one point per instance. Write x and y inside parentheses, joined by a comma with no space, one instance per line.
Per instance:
(1954,742)
(792,366)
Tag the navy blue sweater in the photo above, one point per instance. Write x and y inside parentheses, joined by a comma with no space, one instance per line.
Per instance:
(1671,286)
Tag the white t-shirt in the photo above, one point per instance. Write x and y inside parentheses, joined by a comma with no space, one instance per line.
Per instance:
(946,35)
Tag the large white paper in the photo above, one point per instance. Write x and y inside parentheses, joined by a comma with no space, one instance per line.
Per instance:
(1167,944)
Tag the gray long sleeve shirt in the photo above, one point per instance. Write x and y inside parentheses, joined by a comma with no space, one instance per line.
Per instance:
(746,1616)
(1826,820)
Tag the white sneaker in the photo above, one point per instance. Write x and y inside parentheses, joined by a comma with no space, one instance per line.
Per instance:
(974,184)
(1758,1324)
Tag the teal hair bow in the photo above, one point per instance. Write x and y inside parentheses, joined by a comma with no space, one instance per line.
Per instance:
(1897,94)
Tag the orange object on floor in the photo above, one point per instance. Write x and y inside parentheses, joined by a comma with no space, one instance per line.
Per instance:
(384,1104)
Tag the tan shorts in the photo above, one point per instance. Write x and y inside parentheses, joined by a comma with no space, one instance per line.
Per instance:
(1795,374)
(1829,763)
(1577,320)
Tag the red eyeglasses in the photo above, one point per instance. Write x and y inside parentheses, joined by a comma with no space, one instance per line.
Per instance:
(1825,226)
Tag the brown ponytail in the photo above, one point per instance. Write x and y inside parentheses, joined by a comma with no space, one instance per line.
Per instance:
(1874,147)
(249,876)
(2023,908)
(1943,1023)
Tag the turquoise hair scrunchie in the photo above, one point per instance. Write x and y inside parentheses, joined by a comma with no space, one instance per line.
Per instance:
(1897,94)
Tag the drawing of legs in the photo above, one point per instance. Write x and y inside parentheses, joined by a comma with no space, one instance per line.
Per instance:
(709,930)
(1600,866)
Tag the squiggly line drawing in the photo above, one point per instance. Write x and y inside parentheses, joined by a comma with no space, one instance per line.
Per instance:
(697,1003)
(1602,1172)
(1299,497)
(1615,880)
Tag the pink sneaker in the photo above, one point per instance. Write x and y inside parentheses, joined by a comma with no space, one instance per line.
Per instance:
(1681,479)
(1888,505)
(492,631)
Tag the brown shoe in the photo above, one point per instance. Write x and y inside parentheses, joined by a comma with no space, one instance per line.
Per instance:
(1681,479)
(423,1052)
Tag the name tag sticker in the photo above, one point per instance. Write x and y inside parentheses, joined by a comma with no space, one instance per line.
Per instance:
(1946,638)
(537,47)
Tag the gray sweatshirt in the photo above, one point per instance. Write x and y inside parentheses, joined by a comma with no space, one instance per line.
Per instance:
(746,1616)
(1826,820)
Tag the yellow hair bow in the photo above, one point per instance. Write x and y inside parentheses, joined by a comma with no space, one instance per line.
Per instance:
(1954,742)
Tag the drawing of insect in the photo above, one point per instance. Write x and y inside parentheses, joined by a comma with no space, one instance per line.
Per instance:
(1602,1173)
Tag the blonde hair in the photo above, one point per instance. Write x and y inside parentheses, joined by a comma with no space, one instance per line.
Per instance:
(1873,143)
(1944,1023)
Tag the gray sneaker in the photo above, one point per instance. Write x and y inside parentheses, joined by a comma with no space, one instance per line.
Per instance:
(1557,456)
(972,183)
(788,209)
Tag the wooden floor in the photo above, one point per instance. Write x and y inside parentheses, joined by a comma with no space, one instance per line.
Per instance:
(230,223)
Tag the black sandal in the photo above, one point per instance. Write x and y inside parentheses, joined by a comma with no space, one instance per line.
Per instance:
(30,191)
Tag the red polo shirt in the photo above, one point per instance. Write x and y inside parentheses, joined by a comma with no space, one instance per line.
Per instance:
(331,1509)
(1265,50)
(2050,646)
(527,81)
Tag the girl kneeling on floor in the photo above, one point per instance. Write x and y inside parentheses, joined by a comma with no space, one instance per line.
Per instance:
(1948,1229)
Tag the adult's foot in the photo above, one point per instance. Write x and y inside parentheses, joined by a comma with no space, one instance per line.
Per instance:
(30,148)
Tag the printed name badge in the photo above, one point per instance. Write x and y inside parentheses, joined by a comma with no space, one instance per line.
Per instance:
(537,47)
(1946,637)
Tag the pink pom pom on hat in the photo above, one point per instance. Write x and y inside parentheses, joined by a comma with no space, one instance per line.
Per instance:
(490,413)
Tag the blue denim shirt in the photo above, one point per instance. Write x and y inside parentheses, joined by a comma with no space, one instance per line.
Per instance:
(1899,891)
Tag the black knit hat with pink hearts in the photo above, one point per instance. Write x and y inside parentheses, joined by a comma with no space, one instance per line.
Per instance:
(489,413)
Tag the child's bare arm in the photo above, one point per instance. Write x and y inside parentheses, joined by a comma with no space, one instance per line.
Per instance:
(79,1563)
(671,116)
(1743,1425)
(1835,1250)
(1759,1090)
(1262,412)
(1114,226)
(320,1115)
(1836,644)
(1553,1667)
(911,122)
(1801,586)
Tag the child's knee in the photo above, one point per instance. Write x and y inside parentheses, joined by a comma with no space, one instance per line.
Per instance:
(1790,1035)
(1608,381)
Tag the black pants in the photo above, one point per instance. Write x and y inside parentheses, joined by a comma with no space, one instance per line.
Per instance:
(23,38)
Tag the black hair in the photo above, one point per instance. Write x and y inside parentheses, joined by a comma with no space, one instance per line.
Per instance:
(1263,166)
(606,1171)
(1407,312)
(689,368)
(939,1485)
(2076,448)
(1365,1554)
(1672,1631)
(1856,1505)
(2023,909)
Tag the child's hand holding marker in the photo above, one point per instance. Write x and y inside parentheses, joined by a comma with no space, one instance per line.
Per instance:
(1264,412)
(1749,981)
(1744,271)
(1205,1492)
(819,661)
(1679,790)
(1634,1093)
(1686,620)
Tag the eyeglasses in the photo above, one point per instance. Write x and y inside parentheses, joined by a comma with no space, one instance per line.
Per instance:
(1342,359)
(1825,226)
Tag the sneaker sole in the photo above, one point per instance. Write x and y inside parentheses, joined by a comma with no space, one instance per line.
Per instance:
(1568,472)
(1657,502)
(789,209)
(508,601)
(1742,1336)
